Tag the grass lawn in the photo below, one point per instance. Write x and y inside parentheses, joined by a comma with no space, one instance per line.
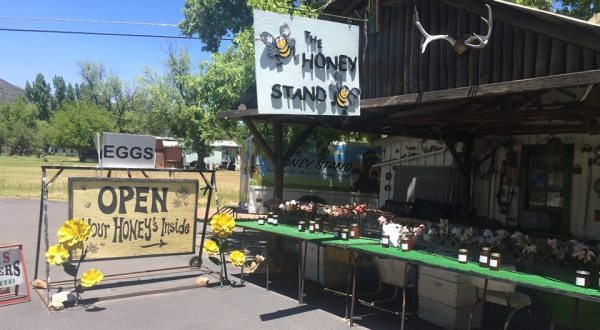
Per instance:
(20,176)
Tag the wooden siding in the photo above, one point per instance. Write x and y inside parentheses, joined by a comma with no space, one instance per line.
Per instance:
(393,63)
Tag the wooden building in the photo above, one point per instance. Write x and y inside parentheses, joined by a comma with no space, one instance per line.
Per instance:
(536,79)
(509,130)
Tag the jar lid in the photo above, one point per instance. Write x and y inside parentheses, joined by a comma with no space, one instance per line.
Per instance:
(276,216)
(582,272)
(270,213)
(354,225)
(345,230)
(495,255)
(463,250)
(485,248)
(317,219)
(301,222)
(311,221)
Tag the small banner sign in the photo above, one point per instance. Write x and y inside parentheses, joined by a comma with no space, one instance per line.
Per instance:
(306,66)
(13,275)
(127,150)
(135,217)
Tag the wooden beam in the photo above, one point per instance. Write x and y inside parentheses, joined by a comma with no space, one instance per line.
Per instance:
(259,139)
(501,88)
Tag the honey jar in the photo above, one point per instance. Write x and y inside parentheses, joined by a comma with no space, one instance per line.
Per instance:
(495,261)
(345,234)
(354,231)
(463,256)
(484,257)
(385,241)
(301,226)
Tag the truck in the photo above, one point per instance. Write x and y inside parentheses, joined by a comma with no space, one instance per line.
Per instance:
(343,176)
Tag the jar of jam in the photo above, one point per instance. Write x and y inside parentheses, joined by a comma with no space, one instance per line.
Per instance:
(484,257)
(270,218)
(336,232)
(318,225)
(405,244)
(345,234)
(261,219)
(311,227)
(385,241)
(463,256)
(495,261)
(275,220)
(582,278)
(301,226)
(354,231)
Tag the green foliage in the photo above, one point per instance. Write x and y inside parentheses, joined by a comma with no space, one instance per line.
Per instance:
(583,9)
(76,125)
(38,93)
(213,19)
(18,123)
(539,4)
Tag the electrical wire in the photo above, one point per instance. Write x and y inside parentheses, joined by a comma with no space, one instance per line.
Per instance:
(105,34)
(26,18)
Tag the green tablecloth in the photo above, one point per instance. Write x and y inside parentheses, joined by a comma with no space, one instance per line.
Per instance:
(371,247)
(471,268)
(292,232)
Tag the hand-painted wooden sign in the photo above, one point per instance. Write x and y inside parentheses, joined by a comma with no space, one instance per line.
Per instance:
(135,217)
(13,275)
(306,66)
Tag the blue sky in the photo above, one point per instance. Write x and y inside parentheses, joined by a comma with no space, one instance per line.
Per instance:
(23,54)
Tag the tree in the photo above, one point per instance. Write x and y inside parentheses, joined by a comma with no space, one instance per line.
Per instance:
(109,93)
(60,92)
(76,125)
(70,95)
(213,19)
(18,122)
(583,9)
(38,93)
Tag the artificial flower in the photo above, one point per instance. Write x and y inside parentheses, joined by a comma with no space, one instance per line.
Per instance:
(211,247)
(222,224)
(237,258)
(73,232)
(57,254)
(91,278)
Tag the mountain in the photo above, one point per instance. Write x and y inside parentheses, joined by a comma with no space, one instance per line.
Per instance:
(9,92)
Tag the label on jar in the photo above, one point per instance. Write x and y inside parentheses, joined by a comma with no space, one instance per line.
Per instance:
(311,227)
(462,257)
(317,226)
(493,263)
(483,259)
(385,240)
(351,234)
(405,246)
(299,227)
(344,235)
(270,220)
(580,281)
(261,221)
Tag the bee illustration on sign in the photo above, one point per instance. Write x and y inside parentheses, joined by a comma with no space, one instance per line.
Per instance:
(343,96)
(280,47)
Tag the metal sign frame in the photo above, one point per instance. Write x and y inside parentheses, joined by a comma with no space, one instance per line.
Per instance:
(15,297)
(209,188)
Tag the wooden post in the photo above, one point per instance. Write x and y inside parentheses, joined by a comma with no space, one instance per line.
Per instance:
(278,161)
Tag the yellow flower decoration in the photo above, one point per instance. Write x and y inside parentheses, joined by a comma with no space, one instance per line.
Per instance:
(57,254)
(73,232)
(211,247)
(237,258)
(222,224)
(91,278)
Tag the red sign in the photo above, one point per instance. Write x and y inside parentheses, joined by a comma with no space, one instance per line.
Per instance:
(13,275)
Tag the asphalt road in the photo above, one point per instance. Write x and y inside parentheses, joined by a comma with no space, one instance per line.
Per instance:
(248,307)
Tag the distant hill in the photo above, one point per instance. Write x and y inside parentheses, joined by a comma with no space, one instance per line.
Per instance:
(9,92)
